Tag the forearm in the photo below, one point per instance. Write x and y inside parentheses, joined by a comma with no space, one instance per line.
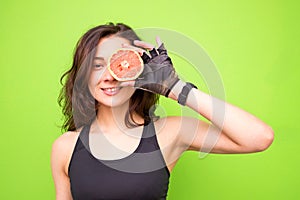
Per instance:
(240,126)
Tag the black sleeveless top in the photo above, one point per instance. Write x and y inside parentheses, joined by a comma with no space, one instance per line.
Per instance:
(140,176)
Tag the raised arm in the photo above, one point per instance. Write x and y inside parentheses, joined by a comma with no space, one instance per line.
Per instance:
(232,130)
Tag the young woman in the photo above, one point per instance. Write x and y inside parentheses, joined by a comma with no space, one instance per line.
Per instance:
(115,147)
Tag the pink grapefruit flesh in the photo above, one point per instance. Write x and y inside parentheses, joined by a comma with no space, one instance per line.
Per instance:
(125,64)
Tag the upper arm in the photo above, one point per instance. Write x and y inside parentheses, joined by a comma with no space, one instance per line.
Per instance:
(208,138)
(59,158)
(198,135)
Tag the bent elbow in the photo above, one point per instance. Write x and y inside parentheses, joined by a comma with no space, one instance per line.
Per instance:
(266,139)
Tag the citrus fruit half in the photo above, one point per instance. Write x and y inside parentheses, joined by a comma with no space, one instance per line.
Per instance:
(125,64)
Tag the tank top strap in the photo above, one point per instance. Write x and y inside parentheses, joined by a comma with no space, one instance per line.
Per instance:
(149,136)
(79,143)
(148,142)
(82,138)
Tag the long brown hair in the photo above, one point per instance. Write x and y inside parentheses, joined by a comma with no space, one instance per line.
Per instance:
(78,106)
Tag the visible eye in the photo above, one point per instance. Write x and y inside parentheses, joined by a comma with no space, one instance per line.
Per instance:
(98,66)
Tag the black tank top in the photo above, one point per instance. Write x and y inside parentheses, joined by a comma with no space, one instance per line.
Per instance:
(140,176)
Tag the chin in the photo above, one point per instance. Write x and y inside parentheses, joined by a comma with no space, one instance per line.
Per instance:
(115,101)
(114,104)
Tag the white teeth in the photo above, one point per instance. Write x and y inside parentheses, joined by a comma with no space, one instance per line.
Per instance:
(111,89)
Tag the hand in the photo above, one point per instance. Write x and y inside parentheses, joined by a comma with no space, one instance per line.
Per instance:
(159,75)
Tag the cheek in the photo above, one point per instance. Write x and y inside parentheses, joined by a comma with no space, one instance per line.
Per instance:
(93,80)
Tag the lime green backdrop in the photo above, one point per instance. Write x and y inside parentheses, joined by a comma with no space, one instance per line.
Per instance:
(255,46)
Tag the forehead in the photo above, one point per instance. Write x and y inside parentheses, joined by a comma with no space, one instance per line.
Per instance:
(107,46)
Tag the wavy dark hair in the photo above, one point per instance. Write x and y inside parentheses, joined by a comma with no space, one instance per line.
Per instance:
(78,106)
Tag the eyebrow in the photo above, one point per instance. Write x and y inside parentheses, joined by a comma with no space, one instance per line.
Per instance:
(98,58)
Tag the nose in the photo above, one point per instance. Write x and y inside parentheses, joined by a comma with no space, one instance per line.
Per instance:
(106,76)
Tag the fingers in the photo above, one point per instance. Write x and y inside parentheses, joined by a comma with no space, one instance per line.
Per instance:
(150,47)
(141,47)
(145,57)
(161,49)
(127,83)
(147,45)
(158,41)
(143,44)
(139,50)
(143,53)
(153,52)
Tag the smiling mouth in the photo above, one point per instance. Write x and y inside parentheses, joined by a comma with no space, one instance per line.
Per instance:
(111,90)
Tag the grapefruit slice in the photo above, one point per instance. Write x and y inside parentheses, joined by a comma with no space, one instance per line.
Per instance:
(125,64)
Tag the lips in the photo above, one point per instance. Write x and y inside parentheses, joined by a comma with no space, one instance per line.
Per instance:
(110,91)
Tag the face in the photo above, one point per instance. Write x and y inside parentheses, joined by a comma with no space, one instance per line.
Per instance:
(103,87)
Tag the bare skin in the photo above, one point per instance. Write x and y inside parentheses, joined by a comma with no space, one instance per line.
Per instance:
(239,132)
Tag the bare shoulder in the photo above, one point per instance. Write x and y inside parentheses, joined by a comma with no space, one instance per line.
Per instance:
(171,128)
(170,133)
(181,130)
(177,124)
(65,141)
(165,122)
(62,149)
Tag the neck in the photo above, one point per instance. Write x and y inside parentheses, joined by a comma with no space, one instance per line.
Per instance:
(113,118)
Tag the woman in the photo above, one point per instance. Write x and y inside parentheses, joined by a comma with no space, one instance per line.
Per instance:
(115,147)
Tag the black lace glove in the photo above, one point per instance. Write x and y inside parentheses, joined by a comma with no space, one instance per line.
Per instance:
(159,75)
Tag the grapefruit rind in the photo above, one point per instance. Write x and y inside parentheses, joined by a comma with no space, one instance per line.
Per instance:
(134,73)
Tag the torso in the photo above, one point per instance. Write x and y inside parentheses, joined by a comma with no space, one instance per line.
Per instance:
(119,178)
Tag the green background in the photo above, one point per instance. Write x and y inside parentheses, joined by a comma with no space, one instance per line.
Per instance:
(255,46)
